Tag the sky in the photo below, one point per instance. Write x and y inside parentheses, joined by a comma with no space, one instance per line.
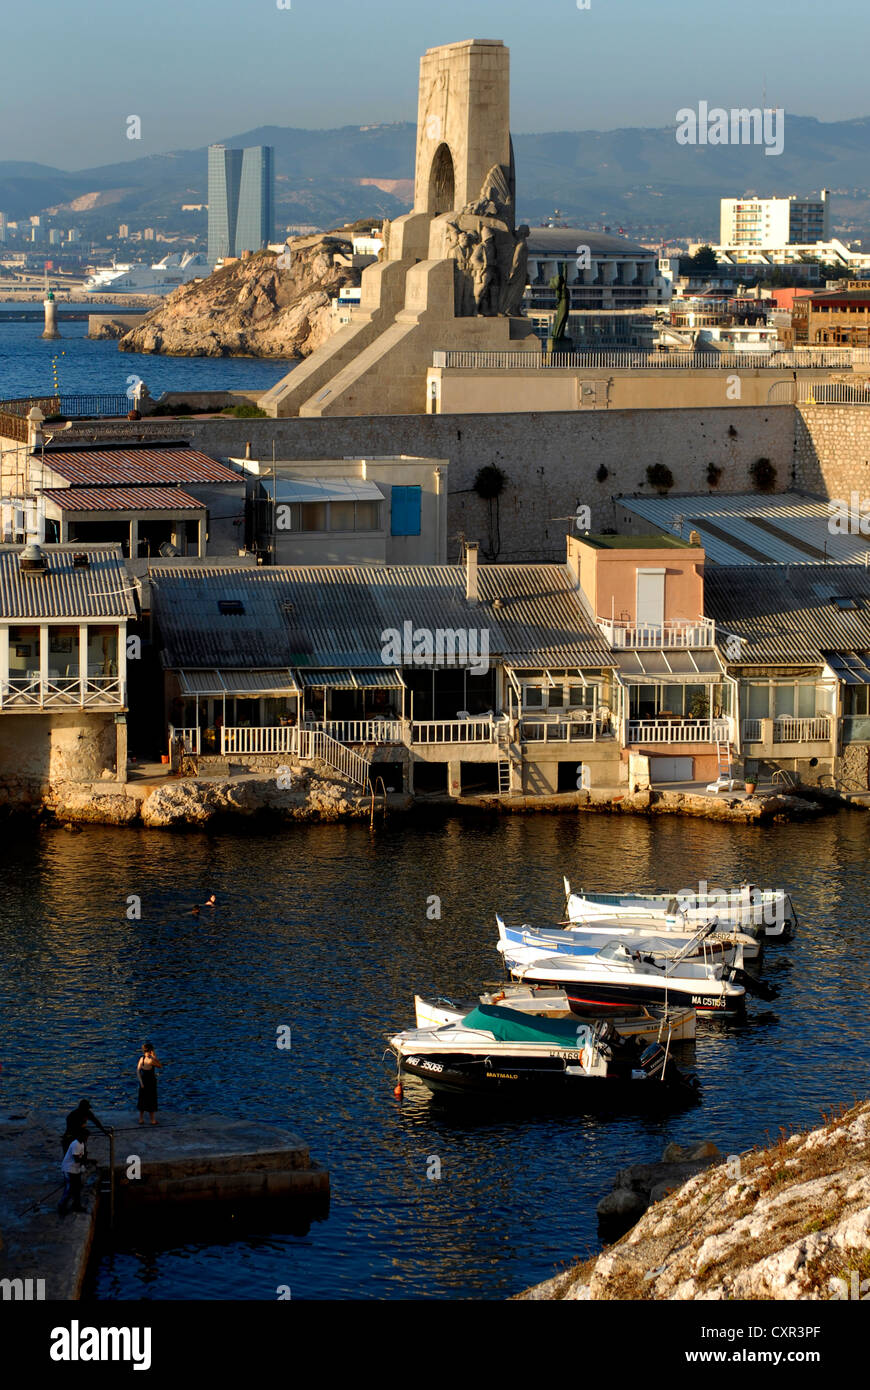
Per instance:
(199,71)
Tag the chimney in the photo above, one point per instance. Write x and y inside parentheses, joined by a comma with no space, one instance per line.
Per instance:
(471,590)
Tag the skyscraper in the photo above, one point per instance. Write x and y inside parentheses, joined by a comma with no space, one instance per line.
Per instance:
(241,199)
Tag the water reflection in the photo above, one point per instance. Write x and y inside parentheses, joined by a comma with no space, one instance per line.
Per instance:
(324,928)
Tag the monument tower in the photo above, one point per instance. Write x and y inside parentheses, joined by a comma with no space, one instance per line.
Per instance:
(453,270)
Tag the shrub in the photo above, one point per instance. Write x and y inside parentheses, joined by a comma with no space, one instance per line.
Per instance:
(659,476)
(249,411)
(489,482)
(763,475)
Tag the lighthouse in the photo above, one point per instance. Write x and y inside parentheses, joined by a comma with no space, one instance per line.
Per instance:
(50,308)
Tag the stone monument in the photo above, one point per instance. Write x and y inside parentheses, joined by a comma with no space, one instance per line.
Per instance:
(453,270)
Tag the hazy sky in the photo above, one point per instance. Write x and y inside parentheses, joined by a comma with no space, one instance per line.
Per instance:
(197,71)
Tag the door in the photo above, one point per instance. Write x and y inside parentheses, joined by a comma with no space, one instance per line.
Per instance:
(650,598)
(670,769)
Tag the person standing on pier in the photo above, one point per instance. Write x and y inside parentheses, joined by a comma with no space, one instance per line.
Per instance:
(71,1167)
(74,1122)
(146,1071)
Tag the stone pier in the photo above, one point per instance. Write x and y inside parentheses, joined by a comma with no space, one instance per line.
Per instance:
(205,1165)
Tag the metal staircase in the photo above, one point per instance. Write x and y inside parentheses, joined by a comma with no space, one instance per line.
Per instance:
(509,757)
(725,774)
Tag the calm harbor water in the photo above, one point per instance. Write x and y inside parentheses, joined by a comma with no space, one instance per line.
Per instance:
(87,365)
(324,928)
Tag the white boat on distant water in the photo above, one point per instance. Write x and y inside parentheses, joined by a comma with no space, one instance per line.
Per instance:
(176,268)
(768,911)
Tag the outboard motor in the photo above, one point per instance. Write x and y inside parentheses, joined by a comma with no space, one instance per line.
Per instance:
(759,988)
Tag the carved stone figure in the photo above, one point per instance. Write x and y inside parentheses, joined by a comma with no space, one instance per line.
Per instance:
(460,245)
(514,289)
(485,272)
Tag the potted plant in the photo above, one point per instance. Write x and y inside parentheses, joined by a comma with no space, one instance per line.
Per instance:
(750,778)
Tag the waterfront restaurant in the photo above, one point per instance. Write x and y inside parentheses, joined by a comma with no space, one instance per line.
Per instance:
(444,678)
(674,698)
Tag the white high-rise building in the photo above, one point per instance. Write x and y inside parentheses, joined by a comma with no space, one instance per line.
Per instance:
(766,224)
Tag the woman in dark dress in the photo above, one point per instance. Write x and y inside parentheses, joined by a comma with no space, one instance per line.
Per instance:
(146,1070)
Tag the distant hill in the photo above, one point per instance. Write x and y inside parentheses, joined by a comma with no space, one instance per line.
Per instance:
(640,179)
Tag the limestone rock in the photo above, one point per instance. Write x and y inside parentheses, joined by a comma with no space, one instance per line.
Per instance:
(794,1225)
(250,307)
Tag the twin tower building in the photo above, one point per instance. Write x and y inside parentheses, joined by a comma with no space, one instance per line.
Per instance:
(241,200)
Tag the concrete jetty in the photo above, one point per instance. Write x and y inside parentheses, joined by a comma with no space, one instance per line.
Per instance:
(202,1164)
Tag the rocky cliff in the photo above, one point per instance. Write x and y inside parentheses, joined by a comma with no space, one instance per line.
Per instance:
(788,1222)
(252,307)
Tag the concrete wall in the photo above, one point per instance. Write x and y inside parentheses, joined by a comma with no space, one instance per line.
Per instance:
(41,748)
(513,389)
(550,460)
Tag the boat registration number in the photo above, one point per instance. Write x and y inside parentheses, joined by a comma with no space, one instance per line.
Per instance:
(702,1001)
(423,1065)
(566,1056)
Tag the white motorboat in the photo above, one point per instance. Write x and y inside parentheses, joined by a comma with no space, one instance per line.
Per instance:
(638,973)
(504,1054)
(767,911)
(652,1022)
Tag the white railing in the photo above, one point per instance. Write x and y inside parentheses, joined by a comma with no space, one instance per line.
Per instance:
(634,359)
(564,729)
(267,738)
(314,743)
(32,692)
(698,632)
(833,393)
(752,731)
(189,734)
(789,730)
(453,731)
(679,731)
(363,730)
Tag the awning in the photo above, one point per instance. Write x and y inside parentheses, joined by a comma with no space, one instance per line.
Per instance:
(322,490)
(556,676)
(850,667)
(380,679)
(680,666)
(239,682)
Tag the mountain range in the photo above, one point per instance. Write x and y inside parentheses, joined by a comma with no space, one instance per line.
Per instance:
(636,178)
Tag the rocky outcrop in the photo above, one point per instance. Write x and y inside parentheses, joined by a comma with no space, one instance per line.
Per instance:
(635,1188)
(788,1222)
(195,803)
(253,307)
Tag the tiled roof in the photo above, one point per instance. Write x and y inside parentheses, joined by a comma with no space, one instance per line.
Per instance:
(122,499)
(785,614)
(96,467)
(335,616)
(62,590)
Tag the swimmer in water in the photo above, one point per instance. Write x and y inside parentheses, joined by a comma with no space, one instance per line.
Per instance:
(212,902)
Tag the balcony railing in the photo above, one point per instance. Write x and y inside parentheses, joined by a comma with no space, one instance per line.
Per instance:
(62,692)
(679,731)
(268,738)
(364,730)
(638,360)
(788,730)
(191,739)
(453,731)
(565,729)
(697,632)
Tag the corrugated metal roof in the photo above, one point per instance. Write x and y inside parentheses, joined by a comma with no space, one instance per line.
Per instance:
(122,499)
(81,467)
(337,616)
(101,590)
(750,529)
(785,614)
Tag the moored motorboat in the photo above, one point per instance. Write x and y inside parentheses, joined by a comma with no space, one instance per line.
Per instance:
(621,974)
(766,911)
(494,1052)
(584,938)
(648,1023)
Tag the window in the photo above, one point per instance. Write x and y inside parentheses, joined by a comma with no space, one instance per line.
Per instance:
(405,508)
(230,606)
(332,516)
